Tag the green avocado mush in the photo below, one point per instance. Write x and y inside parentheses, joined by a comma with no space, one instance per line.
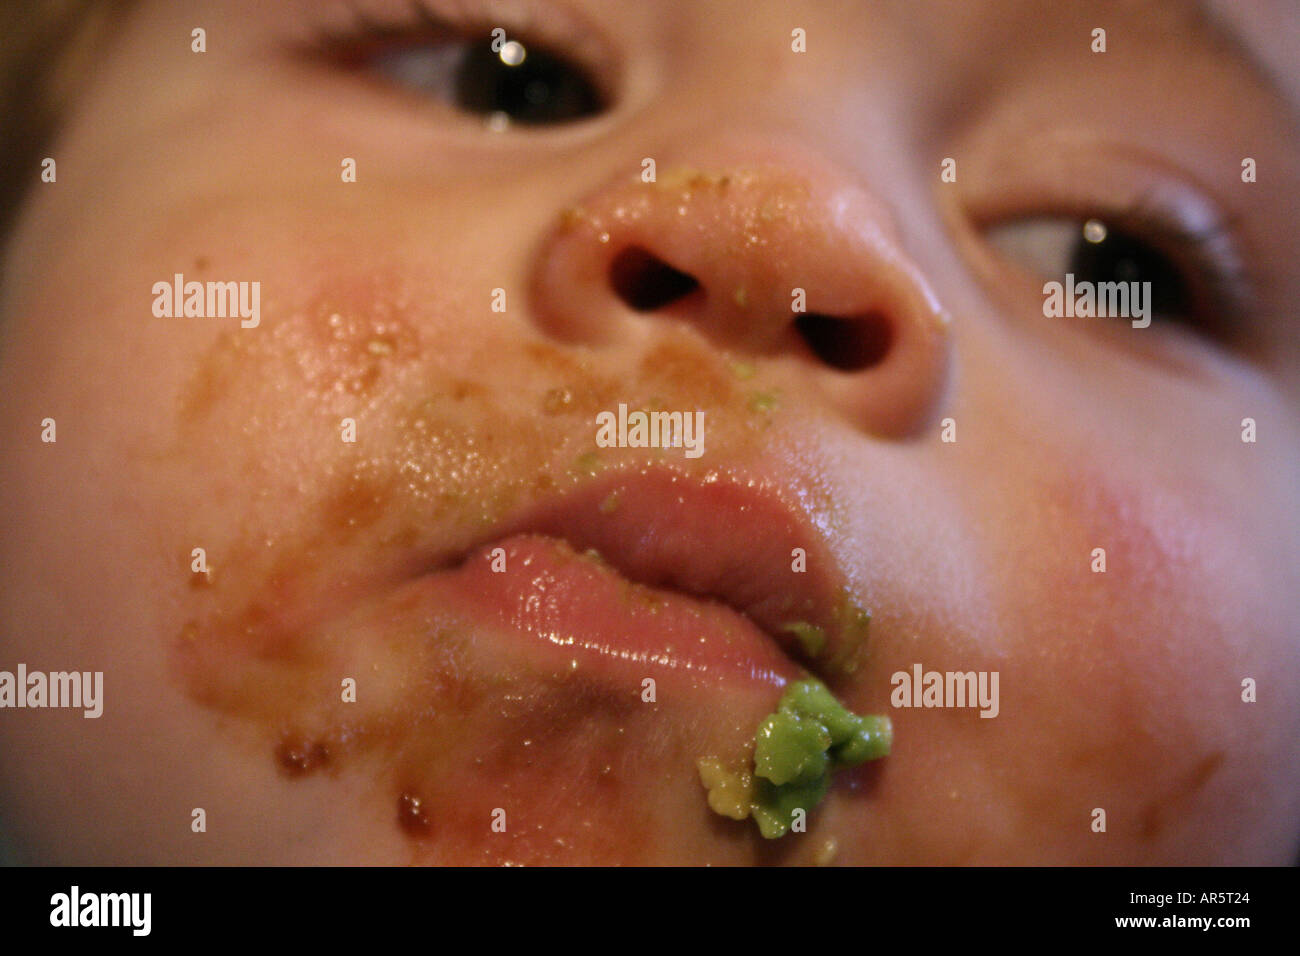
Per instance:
(796,749)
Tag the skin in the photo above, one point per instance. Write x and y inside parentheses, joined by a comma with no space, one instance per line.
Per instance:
(1120,690)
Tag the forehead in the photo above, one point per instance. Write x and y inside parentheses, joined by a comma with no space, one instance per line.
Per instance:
(1251,40)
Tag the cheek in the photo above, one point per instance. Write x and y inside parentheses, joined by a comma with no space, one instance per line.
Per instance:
(1146,577)
(1130,679)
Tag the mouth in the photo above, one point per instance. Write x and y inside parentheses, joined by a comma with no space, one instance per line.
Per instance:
(581,655)
(713,578)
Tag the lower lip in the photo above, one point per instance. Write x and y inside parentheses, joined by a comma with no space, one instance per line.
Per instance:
(537,600)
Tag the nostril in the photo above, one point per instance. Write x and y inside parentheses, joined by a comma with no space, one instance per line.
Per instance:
(846,344)
(645,282)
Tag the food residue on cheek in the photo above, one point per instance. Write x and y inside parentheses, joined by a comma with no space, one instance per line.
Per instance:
(427,437)
(266,641)
(826,853)
(731,792)
(297,757)
(442,736)
(329,353)
(411,815)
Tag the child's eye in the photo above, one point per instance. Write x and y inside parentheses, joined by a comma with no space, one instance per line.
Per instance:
(471,67)
(1196,277)
(524,83)
(1095,251)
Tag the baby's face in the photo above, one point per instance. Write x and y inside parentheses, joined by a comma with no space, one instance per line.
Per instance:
(396,464)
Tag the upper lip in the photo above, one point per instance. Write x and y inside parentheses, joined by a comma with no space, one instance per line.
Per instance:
(720,536)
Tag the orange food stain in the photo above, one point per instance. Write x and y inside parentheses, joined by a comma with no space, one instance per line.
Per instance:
(267,645)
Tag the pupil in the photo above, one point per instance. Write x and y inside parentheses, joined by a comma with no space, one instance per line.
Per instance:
(536,93)
(541,89)
(1121,258)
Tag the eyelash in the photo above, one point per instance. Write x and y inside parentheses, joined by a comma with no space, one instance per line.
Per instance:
(365,35)
(429,21)
(1207,255)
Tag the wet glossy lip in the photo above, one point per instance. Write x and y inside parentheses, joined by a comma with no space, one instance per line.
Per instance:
(716,539)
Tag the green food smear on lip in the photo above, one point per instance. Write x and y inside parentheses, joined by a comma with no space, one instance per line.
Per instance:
(811,637)
(796,749)
(849,625)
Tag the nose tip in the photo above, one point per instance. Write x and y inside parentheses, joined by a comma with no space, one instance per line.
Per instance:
(764,261)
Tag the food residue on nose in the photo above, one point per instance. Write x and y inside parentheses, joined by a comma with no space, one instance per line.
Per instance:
(688,180)
(796,749)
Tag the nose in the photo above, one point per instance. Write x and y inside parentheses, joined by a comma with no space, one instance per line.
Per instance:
(786,258)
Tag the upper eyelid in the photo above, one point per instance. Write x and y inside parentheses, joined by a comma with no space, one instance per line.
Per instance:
(550,23)
(1072,174)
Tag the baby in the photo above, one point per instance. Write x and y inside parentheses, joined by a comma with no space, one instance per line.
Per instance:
(561,431)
